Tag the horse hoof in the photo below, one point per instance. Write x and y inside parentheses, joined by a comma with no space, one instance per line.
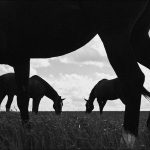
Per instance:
(27,125)
(128,139)
(148,127)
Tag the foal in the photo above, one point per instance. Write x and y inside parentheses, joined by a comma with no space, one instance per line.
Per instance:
(108,90)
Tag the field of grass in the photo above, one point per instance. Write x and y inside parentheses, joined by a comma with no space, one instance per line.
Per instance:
(70,131)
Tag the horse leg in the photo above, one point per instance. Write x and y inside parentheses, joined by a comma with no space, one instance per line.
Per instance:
(101,104)
(148,122)
(22,78)
(140,39)
(121,58)
(9,101)
(35,107)
(2,97)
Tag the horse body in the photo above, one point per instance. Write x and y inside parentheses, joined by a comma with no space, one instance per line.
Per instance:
(9,87)
(8,84)
(38,88)
(38,26)
(106,89)
(140,38)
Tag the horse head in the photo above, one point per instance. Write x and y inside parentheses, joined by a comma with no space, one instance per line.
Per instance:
(58,103)
(89,106)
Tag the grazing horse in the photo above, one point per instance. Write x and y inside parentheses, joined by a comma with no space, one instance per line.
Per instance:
(38,88)
(108,90)
(43,29)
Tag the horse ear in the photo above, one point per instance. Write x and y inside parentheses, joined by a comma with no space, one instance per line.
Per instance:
(85,99)
(63,99)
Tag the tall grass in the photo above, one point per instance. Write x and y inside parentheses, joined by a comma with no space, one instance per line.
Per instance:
(70,131)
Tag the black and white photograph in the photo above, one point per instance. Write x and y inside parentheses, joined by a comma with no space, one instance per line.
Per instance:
(74,74)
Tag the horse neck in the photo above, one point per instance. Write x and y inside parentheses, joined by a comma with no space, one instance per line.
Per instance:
(51,93)
(92,96)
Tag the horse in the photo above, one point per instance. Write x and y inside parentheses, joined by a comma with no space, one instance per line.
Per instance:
(106,90)
(38,88)
(44,29)
(141,43)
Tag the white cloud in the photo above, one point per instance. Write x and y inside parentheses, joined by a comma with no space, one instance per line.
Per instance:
(34,65)
(97,44)
(5,69)
(104,75)
(72,85)
(82,55)
(93,53)
(69,60)
(94,63)
(38,63)
(147,76)
(33,71)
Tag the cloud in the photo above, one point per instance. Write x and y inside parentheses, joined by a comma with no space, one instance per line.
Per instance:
(147,76)
(98,64)
(5,69)
(68,60)
(82,55)
(33,71)
(93,53)
(104,75)
(34,65)
(74,86)
(38,63)
(98,45)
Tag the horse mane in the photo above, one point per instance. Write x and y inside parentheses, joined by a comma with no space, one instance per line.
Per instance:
(50,91)
(92,94)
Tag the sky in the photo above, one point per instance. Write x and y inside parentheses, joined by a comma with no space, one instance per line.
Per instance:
(74,75)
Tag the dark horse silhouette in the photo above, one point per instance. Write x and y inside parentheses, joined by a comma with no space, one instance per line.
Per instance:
(38,88)
(141,41)
(42,29)
(108,90)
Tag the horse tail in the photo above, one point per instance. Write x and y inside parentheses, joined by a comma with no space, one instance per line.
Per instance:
(146,93)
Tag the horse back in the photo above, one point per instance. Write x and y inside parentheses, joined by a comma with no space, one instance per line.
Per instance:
(36,87)
(107,89)
(8,83)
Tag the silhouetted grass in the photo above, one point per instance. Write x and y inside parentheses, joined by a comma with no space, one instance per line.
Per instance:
(70,131)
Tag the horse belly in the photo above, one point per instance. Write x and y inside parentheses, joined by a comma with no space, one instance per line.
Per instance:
(44,29)
(36,90)
(9,86)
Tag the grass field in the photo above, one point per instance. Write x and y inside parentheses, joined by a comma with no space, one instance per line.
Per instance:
(70,131)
